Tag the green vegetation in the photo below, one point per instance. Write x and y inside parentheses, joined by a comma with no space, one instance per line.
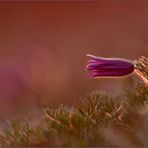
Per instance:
(97,120)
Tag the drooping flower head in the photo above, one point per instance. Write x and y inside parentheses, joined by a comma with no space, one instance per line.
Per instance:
(106,67)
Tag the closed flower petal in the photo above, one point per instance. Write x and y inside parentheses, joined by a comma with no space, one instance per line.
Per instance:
(108,66)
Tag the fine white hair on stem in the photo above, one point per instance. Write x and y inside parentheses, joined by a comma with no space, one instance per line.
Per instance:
(138,73)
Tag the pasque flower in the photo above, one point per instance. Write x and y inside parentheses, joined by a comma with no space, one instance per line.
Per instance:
(99,66)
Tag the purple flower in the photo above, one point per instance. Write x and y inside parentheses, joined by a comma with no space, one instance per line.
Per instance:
(108,66)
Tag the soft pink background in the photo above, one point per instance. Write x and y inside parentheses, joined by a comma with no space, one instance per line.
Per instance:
(43,47)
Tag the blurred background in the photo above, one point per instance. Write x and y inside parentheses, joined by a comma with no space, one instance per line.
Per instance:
(43,47)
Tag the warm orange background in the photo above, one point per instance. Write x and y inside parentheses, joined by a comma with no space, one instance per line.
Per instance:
(43,47)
